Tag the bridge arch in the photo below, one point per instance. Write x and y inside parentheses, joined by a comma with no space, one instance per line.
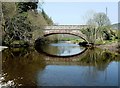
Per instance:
(62,29)
(75,32)
(65,33)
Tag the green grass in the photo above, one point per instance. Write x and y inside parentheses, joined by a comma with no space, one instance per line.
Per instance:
(111,41)
(73,40)
(107,41)
(18,42)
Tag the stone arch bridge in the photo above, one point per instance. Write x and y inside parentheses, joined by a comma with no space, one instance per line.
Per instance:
(64,29)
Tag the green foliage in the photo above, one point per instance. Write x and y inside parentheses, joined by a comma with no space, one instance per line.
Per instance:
(91,34)
(17,28)
(36,19)
(25,6)
(8,9)
(20,19)
(107,35)
(99,28)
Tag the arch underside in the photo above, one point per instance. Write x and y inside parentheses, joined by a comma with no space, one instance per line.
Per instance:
(45,35)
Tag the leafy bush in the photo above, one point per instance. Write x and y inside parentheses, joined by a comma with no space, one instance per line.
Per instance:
(17,28)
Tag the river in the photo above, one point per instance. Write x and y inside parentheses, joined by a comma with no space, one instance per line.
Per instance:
(31,67)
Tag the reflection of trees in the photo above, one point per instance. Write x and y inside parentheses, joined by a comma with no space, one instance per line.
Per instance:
(21,68)
(91,57)
(54,50)
(97,62)
(98,58)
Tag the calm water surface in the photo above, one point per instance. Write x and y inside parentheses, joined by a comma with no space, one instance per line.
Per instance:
(28,67)
(62,49)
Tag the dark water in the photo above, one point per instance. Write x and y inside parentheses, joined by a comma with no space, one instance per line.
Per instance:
(27,67)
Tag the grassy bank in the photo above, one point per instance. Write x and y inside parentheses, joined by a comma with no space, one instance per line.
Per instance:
(111,46)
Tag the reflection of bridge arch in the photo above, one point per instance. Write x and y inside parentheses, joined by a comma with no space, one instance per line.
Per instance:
(40,50)
(65,60)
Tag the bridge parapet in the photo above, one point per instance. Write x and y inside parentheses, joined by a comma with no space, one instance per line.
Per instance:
(65,27)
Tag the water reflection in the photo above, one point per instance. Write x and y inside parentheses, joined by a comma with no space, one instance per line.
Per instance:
(27,67)
(21,66)
(61,49)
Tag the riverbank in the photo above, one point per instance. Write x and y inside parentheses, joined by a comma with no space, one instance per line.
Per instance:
(113,47)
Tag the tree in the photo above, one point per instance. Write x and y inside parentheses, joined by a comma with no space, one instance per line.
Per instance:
(101,19)
(17,28)
(98,26)
(20,20)
(25,6)
(101,23)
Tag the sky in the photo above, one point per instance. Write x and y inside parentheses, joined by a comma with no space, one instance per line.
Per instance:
(119,12)
(76,13)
